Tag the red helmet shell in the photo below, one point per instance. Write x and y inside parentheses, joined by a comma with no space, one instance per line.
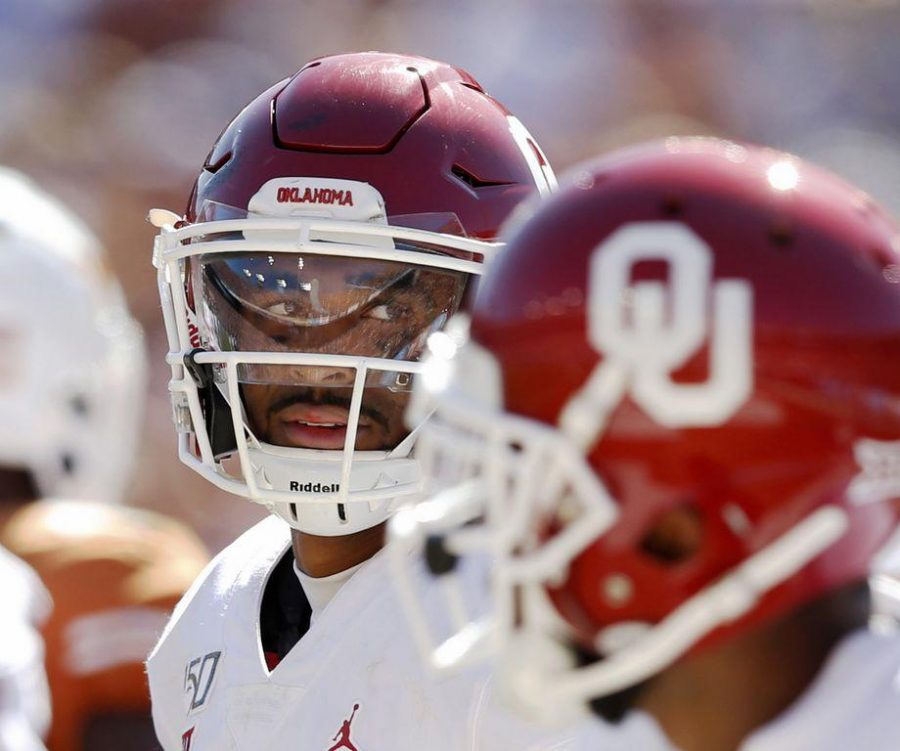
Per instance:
(821,260)
(423,133)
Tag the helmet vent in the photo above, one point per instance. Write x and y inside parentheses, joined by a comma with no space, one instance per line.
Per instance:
(218,164)
(464,176)
(781,235)
(675,536)
(472,86)
(672,206)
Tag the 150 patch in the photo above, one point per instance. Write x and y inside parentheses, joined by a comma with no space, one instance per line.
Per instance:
(199,675)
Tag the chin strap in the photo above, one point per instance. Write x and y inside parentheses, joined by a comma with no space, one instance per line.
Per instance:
(216,409)
(319,505)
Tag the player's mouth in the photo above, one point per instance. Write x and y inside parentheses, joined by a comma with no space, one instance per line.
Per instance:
(317,426)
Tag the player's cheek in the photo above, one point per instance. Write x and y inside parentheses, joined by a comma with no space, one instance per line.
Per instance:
(256,399)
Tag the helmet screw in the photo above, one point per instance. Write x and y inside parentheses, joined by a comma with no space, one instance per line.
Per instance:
(617,590)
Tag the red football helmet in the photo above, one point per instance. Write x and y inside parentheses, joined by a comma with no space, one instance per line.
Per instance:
(327,204)
(694,327)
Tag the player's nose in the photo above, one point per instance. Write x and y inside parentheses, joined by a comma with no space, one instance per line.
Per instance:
(313,375)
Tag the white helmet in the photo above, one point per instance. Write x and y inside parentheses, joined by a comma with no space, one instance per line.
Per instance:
(72,372)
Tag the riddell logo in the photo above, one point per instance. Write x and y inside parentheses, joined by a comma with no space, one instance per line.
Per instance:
(315,195)
(314,487)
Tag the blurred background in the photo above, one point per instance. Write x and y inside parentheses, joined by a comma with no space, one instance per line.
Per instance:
(113,105)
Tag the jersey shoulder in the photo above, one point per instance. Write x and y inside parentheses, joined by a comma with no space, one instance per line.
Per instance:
(240,568)
(213,611)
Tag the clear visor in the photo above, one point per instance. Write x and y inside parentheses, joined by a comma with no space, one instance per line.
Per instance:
(313,407)
(331,305)
(326,318)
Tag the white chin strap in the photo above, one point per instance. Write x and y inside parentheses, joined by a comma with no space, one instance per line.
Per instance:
(378,482)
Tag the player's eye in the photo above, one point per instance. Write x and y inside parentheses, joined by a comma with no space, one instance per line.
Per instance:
(392,310)
(381,312)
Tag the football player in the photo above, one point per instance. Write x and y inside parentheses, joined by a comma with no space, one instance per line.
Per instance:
(339,219)
(71,381)
(684,432)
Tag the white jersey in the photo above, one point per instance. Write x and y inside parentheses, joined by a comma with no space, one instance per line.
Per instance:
(854,703)
(24,696)
(354,680)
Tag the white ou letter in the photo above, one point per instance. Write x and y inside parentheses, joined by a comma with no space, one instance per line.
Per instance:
(647,330)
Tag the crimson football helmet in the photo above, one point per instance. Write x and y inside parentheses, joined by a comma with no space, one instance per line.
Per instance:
(336,222)
(693,328)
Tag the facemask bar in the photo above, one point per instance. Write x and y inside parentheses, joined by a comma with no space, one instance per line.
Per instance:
(531,650)
(512,474)
(322,237)
(315,236)
(551,692)
(246,442)
(433,533)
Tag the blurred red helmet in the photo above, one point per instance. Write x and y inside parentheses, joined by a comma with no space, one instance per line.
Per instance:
(692,330)
(359,174)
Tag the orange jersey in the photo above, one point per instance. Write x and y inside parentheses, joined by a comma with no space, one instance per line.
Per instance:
(114,574)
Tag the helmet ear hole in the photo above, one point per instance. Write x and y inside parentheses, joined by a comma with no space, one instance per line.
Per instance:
(68,463)
(472,180)
(675,536)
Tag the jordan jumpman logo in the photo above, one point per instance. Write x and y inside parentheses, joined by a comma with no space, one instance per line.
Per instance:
(342,736)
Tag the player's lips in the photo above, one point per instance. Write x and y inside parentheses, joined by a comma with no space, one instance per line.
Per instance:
(317,426)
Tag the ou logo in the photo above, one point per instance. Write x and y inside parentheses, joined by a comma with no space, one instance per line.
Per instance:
(647,330)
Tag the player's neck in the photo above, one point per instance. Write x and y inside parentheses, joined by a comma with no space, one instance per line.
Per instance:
(326,556)
(712,701)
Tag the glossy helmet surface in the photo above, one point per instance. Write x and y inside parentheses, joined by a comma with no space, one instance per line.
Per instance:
(691,329)
(364,158)
(72,377)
